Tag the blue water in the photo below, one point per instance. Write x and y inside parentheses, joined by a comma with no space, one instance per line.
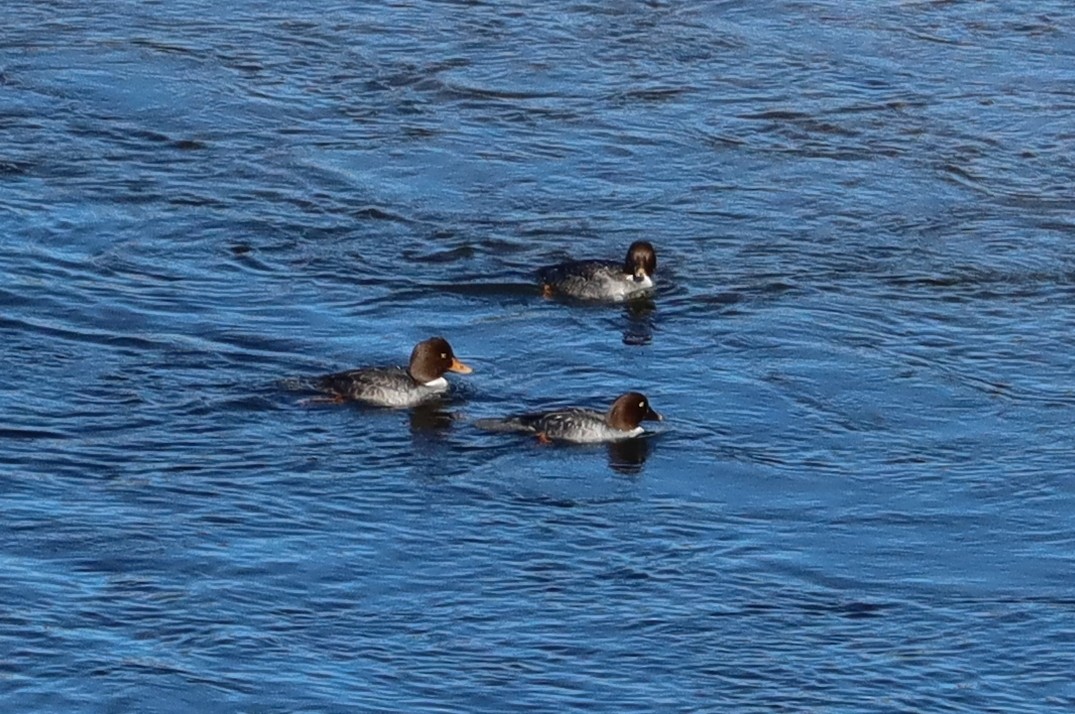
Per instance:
(863,497)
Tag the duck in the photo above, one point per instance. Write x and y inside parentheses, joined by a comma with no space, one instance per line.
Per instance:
(421,381)
(623,420)
(603,280)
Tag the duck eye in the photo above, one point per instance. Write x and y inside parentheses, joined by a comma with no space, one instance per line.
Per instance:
(642,405)
(443,355)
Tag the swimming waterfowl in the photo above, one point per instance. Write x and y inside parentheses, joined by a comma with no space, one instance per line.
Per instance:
(422,379)
(603,280)
(623,420)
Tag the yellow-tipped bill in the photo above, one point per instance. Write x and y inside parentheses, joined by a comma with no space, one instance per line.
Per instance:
(459,367)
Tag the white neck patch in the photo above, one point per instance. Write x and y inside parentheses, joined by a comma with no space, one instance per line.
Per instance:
(438,383)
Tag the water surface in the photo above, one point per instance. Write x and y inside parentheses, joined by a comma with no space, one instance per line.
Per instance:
(863,343)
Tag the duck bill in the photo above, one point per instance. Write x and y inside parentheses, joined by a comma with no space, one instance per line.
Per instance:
(654,416)
(640,274)
(457,366)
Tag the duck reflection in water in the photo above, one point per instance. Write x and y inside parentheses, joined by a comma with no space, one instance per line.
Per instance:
(430,419)
(628,456)
(639,316)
